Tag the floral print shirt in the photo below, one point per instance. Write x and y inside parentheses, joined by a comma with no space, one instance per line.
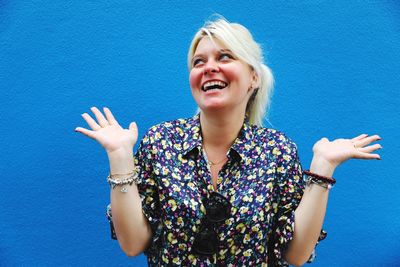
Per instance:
(262,180)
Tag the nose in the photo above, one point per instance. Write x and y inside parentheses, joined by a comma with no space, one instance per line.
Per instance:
(211,67)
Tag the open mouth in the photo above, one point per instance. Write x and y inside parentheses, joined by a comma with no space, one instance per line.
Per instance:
(213,85)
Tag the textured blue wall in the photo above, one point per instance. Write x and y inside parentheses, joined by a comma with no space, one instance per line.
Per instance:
(336,65)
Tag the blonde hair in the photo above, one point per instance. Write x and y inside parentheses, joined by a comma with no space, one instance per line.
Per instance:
(240,41)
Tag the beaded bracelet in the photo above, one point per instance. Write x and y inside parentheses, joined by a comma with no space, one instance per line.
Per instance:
(328,180)
(133,178)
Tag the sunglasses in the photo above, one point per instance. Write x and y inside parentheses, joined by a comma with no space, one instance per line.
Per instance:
(218,209)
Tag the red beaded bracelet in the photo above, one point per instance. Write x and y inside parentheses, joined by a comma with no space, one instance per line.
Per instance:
(326,179)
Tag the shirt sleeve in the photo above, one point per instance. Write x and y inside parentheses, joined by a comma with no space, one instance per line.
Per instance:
(290,189)
(148,191)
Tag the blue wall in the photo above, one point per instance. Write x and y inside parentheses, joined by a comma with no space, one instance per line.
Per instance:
(337,75)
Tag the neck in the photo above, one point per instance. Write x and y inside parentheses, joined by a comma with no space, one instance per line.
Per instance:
(219,130)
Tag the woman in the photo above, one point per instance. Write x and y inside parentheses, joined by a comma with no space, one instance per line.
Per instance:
(218,189)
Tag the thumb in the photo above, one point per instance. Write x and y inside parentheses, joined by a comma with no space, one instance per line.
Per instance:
(133,128)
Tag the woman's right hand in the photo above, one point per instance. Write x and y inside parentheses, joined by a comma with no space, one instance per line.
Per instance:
(107,131)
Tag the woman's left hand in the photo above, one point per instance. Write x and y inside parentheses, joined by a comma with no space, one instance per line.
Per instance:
(338,151)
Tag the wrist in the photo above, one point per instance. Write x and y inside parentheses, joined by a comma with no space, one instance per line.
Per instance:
(121,163)
(122,169)
(120,153)
(322,166)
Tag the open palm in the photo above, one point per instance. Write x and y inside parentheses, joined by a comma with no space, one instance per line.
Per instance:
(338,151)
(108,132)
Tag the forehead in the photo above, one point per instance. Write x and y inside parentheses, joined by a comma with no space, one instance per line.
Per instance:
(206,44)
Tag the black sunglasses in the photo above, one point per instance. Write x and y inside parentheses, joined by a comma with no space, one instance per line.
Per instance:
(218,209)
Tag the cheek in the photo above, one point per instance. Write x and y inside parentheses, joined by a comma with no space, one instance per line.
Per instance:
(237,75)
(194,78)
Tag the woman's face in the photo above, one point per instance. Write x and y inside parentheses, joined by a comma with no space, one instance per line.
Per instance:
(219,80)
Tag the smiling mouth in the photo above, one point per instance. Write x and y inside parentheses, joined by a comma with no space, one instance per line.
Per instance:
(213,85)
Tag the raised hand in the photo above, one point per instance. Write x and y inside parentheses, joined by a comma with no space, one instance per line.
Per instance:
(338,151)
(109,133)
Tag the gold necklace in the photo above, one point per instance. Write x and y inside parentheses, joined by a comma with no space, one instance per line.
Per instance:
(216,163)
(211,163)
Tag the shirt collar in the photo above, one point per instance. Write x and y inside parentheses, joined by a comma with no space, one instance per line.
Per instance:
(192,141)
(243,144)
(240,150)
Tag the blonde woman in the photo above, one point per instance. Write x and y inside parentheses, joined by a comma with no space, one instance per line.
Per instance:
(219,189)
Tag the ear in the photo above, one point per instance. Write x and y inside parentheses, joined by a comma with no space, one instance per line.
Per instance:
(255,81)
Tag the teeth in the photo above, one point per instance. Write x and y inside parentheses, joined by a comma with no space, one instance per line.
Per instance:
(214,84)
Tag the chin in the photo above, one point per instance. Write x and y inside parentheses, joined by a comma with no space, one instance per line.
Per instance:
(212,107)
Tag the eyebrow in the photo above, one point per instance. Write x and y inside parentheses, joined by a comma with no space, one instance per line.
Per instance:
(222,50)
(225,50)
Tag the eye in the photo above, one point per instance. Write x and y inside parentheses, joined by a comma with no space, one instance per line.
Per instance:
(225,56)
(197,61)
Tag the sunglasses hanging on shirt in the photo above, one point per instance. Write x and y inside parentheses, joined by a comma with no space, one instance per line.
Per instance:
(218,209)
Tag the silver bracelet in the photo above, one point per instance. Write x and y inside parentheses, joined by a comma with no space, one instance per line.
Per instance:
(133,178)
(311,180)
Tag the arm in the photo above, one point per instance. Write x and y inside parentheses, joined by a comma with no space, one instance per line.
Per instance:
(131,226)
(310,213)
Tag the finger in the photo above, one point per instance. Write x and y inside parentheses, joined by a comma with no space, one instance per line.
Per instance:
(366,141)
(90,121)
(86,132)
(369,149)
(361,136)
(99,116)
(362,155)
(110,116)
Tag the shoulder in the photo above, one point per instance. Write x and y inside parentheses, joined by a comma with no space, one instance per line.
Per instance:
(172,126)
(272,137)
(274,140)
(172,129)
